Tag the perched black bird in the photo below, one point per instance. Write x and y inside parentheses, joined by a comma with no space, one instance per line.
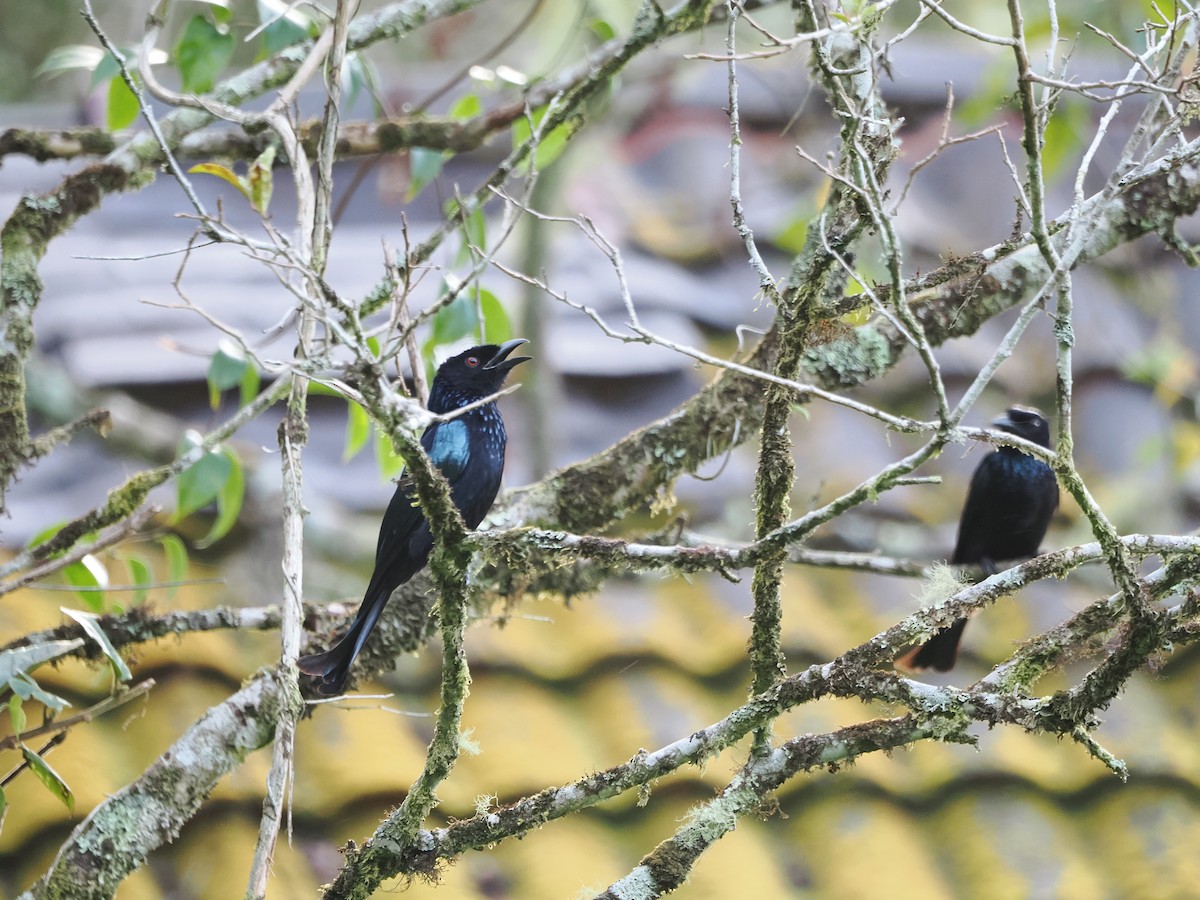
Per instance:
(1009,505)
(469,451)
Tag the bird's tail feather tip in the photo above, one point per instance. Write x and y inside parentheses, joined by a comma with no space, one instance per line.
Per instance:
(919,659)
(331,667)
(939,653)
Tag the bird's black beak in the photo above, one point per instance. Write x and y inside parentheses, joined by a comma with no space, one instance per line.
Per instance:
(501,359)
(1004,423)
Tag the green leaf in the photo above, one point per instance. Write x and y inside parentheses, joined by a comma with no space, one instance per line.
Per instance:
(224,173)
(26,688)
(26,659)
(474,235)
(1064,135)
(358,430)
(466,107)
(45,534)
(229,501)
(250,384)
(226,370)
(16,713)
(454,321)
(177,560)
(3,808)
(49,777)
(201,482)
(602,30)
(496,328)
(261,179)
(88,573)
(423,166)
(551,146)
(322,389)
(219,9)
(288,25)
(122,106)
(140,574)
(70,57)
(389,462)
(201,53)
(791,239)
(91,627)
(359,74)
(993,91)
(106,69)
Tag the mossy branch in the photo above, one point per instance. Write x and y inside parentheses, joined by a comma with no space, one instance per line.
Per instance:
(117,835)
(938,713)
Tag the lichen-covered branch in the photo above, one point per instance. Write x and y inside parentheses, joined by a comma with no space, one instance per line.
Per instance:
(668,865)
(141,625)
(941,713)
(118,834)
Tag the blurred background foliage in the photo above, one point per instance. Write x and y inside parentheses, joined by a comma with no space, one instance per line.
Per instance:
(563,690)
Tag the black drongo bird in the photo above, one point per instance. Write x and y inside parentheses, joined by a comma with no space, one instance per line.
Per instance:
(469,451)
(1009,505)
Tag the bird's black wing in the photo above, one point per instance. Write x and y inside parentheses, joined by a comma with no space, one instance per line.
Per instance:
(449,448)
(976,525)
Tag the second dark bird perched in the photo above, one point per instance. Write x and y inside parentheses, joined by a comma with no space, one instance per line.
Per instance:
(1009,506)
(469,451)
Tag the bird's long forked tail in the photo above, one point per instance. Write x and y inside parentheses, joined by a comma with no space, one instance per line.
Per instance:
(333,666)
(940,652)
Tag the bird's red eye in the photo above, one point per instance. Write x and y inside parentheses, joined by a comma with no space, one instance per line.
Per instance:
(472,361)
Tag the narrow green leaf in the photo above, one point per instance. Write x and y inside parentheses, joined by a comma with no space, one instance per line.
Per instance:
(229,501)
(224,173)
(91,627)
(89,573)
(455,321)
(496,326)
(474,235)
(226,369)
(324,390)
(261,179)
(424,166)
(140,574)
(70,57)
(106,69)
(476,229)
(45,534)
(288,25)
(26,688)
(551,145)
(177,560)
(793,235)
(360,74)
(250,384)
(122,106)
(220,10)
(199,484)
(358,430)
(1064,135)
(3,809)
(49,778)
(466,107)
(16,713)
(26,659)
(202,52)
(602,30)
